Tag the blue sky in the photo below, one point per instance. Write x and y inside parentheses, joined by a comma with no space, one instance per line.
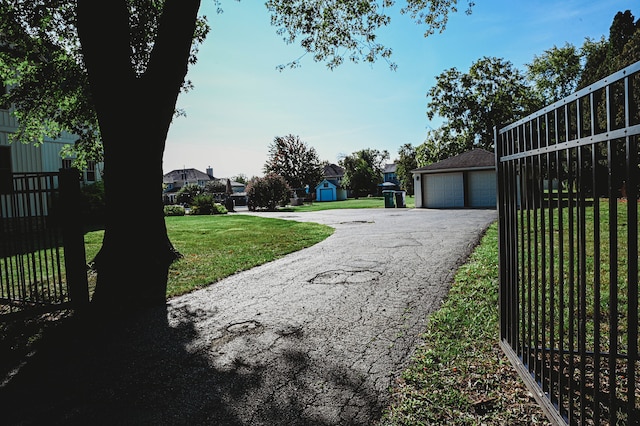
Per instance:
(241,102)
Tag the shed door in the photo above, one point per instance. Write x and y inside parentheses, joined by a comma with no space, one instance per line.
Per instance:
(326,194)
(444,190)
(482,188)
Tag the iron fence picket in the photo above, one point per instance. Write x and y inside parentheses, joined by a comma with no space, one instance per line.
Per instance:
(32,250)
(568,291)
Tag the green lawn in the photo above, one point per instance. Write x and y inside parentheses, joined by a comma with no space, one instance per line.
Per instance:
(351,203)
(215,247)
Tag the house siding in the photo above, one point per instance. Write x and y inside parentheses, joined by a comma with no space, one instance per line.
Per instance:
(29,158)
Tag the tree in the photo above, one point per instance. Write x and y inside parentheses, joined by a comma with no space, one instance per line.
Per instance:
(215,186)
(606,56)
(441,143)
(295,161)
(188,193)
(363,171)
(404,164)
(555,74)
(242,178)
(82,65)
(492,93)
(267,192)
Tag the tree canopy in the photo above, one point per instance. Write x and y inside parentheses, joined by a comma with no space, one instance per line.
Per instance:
(41,59)
(607,55)
(404,164)
(555,74)
(363,171)
(491,93)
(295,161)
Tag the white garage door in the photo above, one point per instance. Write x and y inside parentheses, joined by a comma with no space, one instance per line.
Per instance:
(444,190)
(482,188)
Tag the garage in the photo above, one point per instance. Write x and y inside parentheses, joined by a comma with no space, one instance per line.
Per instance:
(444,190)
(482,188)
(467,180)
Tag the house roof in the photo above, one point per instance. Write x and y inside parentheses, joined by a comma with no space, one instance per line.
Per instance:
(390,168)
(475,159)
(233,182)
(326,181)
(332,171)
(180,174)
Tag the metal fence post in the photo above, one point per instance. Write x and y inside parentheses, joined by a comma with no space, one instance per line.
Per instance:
(73,237)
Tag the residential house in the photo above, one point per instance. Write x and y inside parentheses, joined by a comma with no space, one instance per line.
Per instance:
(29,158)
(389,174)
(330,189)
(176,179)
(464,180)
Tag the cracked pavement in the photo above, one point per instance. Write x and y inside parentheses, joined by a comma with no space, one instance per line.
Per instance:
(317,337)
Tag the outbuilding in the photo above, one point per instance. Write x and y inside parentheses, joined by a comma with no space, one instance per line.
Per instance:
(464,180)
(329,191)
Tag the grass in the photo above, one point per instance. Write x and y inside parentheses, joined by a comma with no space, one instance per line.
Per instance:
(460,376)
(214,247)
(351,203)
(562,273)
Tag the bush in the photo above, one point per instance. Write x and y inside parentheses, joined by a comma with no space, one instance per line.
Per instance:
(188,193)
(93,205)
(174,210)
(267,192)
(205,204)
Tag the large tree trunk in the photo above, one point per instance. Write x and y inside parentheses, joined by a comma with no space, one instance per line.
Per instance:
(134,114)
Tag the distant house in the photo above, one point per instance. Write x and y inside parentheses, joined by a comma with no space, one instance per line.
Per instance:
(330,189)
(176,179)
(465,180)
(389,174)
(333,173)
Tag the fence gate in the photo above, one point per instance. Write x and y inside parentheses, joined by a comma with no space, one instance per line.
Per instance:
(568,220)
(42,255)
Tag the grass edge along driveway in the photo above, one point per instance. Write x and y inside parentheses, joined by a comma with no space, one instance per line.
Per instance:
(459,375)
(217,246)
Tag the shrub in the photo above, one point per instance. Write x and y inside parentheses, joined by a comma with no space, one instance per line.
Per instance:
(188,193)
(205,204)
(267,192)
(93,205)
(174,210)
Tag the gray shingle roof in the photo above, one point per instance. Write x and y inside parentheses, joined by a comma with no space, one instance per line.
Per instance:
(190,174)
(475,159)
(390,168)
(332,171)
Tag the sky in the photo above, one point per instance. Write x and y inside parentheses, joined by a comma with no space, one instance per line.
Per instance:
(240,101)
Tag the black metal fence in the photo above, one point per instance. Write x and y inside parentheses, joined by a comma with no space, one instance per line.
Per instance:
(42,257)
(568,218)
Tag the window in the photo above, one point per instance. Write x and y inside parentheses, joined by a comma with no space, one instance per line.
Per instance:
(6,178)
(67,163)
(91,171)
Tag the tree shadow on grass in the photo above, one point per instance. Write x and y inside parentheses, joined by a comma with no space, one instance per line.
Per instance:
(139,370)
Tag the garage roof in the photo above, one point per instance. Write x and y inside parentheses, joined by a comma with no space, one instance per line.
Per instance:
(476,159)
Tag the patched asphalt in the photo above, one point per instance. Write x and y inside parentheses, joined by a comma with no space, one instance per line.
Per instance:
(317,337)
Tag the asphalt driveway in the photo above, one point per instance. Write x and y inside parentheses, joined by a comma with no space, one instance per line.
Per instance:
(315,338)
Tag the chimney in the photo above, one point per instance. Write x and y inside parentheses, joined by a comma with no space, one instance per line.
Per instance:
(210,172)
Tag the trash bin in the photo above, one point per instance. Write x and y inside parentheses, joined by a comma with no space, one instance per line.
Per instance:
(400,198)
(388,198)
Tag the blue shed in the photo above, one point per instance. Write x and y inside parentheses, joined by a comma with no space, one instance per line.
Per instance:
(329,191)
